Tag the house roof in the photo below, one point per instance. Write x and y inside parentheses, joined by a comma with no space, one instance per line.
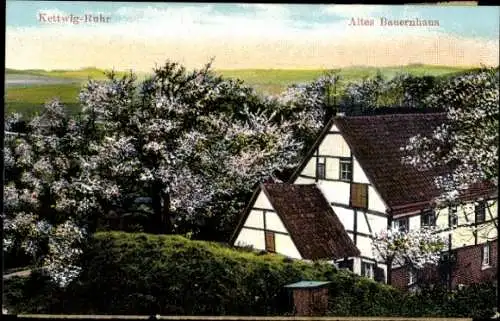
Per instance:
(311,222)
(375,141)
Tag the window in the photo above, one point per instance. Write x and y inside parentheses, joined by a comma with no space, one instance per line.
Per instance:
(320,169)
(452,216)
(270,245)
(367,270)
(345,169)
(400,224)
(486,254)
(428,218)
(359,195)
(480,210)
(412,276)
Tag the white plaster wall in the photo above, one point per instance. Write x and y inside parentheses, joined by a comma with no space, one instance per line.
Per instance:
(274,223)
(251,237)
(334,145)
(332,168)
(377,223)
(346,217)
(488,231)
(356,266)
(334,128)
(414,222)
(310,169)
(375,202)
(464,236)
(255,219)
(364,245)
(263,202)
(362,223)
(358,175)
(285,246)
(304,180)
(442,217)
(337,192)
(351,236)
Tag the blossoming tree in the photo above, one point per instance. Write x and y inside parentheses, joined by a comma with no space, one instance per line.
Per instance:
(415,248)
(172,148)
(467,143)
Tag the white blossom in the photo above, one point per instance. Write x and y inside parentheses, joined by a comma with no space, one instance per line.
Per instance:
(416,247)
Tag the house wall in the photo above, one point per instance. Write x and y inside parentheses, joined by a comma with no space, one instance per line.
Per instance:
(467,270)
(360,224)
(262,218)
(463,234)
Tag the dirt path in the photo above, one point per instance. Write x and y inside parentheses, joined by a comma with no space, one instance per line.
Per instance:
(23,273)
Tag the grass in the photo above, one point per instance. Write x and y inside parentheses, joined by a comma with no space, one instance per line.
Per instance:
(28,99)
(80,74)
(274,81)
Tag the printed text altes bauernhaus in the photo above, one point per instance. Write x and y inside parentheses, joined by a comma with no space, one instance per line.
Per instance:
(386,22)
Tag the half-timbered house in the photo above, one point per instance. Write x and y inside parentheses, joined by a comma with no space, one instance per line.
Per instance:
(355,166)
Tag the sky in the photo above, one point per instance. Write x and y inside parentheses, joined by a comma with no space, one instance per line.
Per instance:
(139,35)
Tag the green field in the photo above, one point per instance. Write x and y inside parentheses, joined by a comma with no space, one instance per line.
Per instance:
(27,99)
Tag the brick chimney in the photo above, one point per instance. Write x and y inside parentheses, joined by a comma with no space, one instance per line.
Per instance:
(310,298)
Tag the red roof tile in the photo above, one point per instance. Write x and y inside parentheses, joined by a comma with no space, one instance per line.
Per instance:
(375,141)
(313,225)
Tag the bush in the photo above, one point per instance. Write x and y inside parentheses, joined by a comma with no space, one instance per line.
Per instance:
(146,274)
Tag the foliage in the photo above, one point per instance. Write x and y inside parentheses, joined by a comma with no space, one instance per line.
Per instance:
(146,274)
(468,142)
(313,103)
(416,248)
(180,148)
(403,90)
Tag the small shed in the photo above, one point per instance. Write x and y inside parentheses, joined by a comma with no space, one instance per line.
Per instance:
(310,298)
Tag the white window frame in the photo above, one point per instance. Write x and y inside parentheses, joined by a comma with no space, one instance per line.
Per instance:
(412,276)
(396,224)
(348,162)
(321,162)
(486,256)
(425,215)
(369,270)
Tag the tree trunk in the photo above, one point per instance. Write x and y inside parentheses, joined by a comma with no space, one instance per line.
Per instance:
(389,270)
(160,222)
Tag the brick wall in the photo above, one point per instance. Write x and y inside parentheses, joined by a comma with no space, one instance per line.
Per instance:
(466,269)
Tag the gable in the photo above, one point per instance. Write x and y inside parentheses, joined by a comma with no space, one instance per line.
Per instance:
(331,149)
(259,218)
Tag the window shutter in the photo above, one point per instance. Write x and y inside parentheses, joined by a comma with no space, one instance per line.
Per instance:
(359,195)
(270,245)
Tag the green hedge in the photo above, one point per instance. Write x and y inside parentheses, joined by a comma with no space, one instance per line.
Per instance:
(145,274)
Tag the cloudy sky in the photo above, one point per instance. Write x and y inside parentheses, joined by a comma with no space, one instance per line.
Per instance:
(138,35)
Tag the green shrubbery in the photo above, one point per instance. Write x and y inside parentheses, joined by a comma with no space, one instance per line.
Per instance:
(145,274)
